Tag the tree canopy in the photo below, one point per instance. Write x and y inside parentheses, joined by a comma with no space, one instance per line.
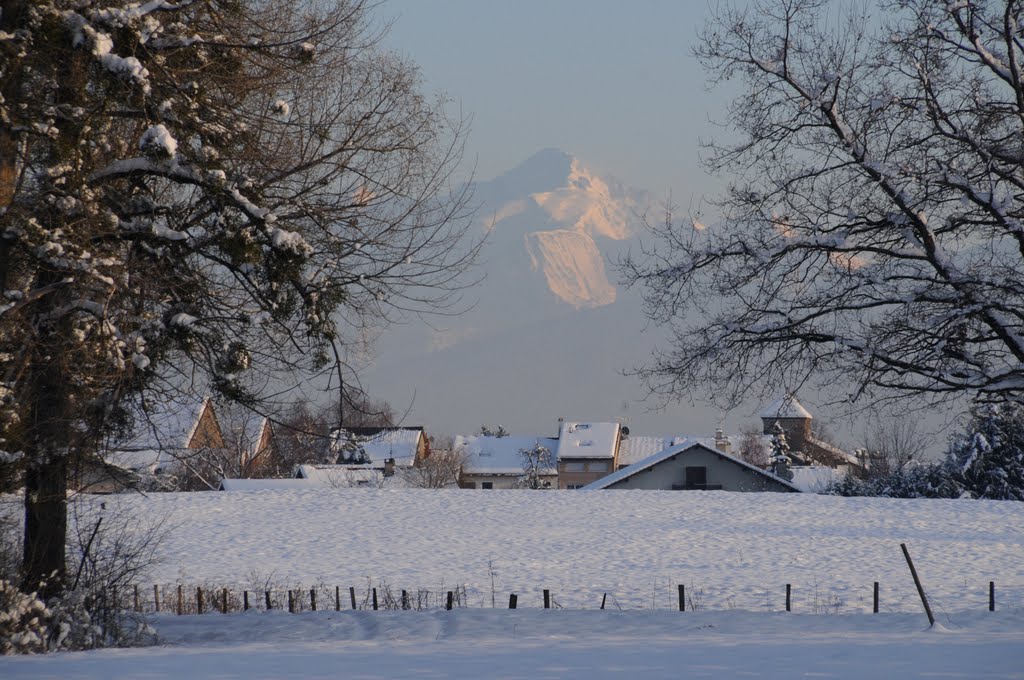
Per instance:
(218,192)
(871,239)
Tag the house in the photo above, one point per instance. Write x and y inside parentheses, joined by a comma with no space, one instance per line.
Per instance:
(372,446)
(586,452)
(692,465)
(804,447)
(166,431)
(491,462)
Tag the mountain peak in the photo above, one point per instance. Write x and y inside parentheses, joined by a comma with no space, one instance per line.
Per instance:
(565,219)
(543,171)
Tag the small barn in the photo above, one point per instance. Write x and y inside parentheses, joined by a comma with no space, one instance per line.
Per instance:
(694,466)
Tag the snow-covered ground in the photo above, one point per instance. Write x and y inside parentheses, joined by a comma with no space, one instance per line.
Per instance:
(734,552)
(539,645)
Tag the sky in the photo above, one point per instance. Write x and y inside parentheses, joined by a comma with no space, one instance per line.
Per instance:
(613,83)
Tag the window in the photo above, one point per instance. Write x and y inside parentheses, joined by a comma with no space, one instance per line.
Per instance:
(574,467)
(696,477)
(486,485)
(573,486)
(599,467)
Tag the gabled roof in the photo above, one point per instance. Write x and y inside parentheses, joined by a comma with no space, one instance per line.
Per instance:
(587,440)
(381,443)
(786,407)
(635,448)
(489,455)
(653,460)
(163,426)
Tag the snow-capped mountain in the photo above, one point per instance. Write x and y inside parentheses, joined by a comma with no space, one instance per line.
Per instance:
(550,332)
(565,219)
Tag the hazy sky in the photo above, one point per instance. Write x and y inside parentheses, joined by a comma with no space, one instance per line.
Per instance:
(609,81)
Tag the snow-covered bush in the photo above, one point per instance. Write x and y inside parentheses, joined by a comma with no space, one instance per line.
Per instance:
(24,621)
(923,481)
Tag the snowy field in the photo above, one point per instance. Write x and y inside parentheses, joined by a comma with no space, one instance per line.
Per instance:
(734,552)
(730,550)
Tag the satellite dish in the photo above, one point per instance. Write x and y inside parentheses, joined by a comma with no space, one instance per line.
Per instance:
(625,431)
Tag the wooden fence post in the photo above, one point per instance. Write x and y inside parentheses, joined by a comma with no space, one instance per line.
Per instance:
(199,600)
(180,600)
(451,597)
(374,599)
(312,599)
(547,599)
(513,600)
(788,592)
(266,596)
(405,599)
(291,601)
(874,605)
(603,599)
(156,597)
(917,582)
(352,596)
(682,598)
(337,598)
(224,601)
(991,596)
(245,600)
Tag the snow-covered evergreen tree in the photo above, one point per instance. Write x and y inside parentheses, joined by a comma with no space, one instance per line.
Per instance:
(209,191)
(780,460)
(988,457)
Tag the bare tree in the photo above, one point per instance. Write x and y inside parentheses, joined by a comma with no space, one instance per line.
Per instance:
(211,192)
(753,448)
(871,238)
(892,444)
(537,463)
(439,470)
(302,436)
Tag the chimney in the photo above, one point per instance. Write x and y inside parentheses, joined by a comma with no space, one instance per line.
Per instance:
(722,442)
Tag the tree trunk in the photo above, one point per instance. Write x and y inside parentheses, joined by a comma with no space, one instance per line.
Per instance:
(48,446)
(46,519)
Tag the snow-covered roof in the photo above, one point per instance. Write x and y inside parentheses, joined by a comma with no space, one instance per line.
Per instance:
(163,426)
(400,443)
(499,455)
(786,407)
(653,460)
(635,448)
(263,484)
(814,478)
(835,451)
(348,476)
(587,440)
